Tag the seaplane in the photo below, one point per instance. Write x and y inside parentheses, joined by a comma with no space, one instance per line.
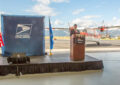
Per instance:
(92,34)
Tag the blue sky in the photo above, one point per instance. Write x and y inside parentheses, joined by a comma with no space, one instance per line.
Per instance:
(85,13)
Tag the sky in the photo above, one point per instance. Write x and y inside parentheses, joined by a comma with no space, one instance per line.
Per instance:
(65,13)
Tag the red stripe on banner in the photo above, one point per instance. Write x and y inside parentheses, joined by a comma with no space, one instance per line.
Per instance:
(1,41)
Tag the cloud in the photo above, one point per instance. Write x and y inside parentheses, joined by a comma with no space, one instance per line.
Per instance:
(60,1)
(86,21)
(58,22)
(49,1)
(78,11)
(114,18)
(83,22)
(1,12)
(44,1)
(91,16)
(115,21)
(42,7)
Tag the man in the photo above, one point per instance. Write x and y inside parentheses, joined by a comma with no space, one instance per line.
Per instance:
(74,30)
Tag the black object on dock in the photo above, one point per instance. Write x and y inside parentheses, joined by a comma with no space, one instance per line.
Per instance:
(18,58)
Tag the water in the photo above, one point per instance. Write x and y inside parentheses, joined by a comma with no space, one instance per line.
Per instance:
(58,32)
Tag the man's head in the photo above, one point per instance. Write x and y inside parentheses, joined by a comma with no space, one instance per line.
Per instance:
(75,26)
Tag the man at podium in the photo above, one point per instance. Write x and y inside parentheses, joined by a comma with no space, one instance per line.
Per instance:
(73,30)
(77,44)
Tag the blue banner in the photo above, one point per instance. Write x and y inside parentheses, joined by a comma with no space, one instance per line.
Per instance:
(51,35)
(23,34)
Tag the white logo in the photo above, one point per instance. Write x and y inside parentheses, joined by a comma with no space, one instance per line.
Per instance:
(23,30)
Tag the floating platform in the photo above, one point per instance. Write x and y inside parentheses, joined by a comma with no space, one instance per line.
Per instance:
(50,64)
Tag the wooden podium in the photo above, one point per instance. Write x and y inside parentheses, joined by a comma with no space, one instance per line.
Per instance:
(77,47)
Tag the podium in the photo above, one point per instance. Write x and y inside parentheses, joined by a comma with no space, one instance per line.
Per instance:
(77,47)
